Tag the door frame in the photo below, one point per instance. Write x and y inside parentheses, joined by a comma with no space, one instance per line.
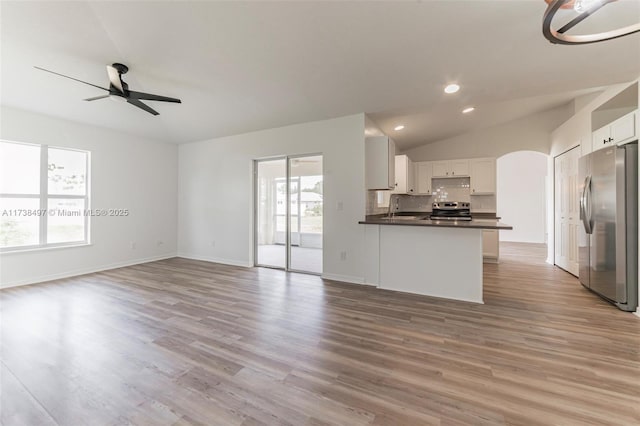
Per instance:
(256,203)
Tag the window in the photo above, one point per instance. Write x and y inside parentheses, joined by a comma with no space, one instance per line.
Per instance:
(383,198)
(44,197)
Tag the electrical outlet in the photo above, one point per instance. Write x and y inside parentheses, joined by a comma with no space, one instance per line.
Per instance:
(343,255)
(213,243)
(159,243)
(133,245)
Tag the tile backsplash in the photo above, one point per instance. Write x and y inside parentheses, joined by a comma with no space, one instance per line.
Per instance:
(415,203)
(451,189)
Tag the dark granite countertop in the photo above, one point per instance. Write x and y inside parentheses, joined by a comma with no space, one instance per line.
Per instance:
(484,221)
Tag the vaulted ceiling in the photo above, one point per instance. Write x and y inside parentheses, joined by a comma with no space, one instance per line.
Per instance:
(244,66)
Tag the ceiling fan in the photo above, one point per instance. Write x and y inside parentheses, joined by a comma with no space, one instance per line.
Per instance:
(119,90)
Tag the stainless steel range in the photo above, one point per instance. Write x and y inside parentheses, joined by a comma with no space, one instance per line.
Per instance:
(451,210)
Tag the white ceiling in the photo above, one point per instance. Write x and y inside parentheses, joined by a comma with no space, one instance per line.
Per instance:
(240,66)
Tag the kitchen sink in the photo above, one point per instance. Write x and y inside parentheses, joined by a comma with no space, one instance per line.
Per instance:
(404,218)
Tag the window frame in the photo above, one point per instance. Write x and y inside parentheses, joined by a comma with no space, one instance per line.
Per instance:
(43,198)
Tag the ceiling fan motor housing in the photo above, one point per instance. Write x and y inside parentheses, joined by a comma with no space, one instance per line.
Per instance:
(122,69)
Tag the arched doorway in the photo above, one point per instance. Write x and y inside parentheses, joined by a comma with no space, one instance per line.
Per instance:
(521,188)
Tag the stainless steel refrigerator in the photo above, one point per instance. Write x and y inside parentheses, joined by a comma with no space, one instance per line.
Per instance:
(608,240)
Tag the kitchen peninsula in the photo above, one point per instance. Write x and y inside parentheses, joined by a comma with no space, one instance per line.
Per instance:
(437,258)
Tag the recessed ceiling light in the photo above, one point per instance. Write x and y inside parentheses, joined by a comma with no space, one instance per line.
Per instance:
(468,110)
(452,88)
(400,127)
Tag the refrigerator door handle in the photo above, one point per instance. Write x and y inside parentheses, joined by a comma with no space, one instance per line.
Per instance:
(582,213)
(585,205)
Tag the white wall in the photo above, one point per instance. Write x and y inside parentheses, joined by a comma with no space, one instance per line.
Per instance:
(531,133)
(216,192)
(126,172)
(521,181)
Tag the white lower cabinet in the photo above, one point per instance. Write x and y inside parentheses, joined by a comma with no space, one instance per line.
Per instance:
(490,245)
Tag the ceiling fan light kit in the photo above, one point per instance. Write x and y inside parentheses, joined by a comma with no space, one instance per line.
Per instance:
(585,8)
(119,90)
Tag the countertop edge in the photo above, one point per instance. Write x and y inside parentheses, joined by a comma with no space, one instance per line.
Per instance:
(440,224)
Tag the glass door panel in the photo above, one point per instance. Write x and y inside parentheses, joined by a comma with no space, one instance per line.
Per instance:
(271,213)
(305,222)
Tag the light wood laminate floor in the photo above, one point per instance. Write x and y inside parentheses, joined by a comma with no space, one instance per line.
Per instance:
(189,342)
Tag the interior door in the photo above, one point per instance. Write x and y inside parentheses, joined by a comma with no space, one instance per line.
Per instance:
(560,212)
(573,210)
(567,211)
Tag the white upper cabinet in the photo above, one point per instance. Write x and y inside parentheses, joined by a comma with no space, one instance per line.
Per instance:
(618,132)
(459,167)
(424,172)
(483,176)
(440,168)
(480,171)
(380,153)
(602,138)
(405,176)
(624,129)
(451,168)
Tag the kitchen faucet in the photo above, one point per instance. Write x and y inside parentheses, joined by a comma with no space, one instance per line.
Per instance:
(393,209)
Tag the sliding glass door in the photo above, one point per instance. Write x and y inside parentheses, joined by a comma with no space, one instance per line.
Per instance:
(288,216)
(305,190)
(271,213)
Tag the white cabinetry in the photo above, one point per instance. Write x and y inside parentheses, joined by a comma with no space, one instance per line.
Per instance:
(440,168)
(380,152)
(490,245)
(624,129)
(459,167)
(483,176)
(452,168)
(620,131)
(602,138)
(424,172)
(405,176)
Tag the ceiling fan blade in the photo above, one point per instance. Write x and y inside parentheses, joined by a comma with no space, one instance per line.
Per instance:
(97,97)
(140,105)
(66,76)
(150,97)
(114,78)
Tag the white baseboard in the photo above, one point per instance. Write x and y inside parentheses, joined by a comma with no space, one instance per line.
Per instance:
(83,271)
(344,278)
(232,262)
(637,312)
